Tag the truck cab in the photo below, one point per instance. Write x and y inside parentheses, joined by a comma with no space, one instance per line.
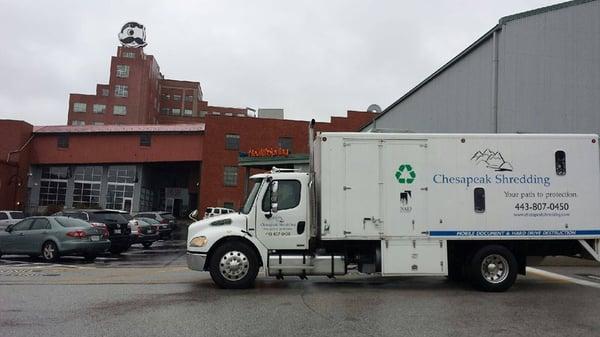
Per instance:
(274,217)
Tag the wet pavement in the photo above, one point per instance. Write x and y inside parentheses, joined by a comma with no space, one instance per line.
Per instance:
(150,292)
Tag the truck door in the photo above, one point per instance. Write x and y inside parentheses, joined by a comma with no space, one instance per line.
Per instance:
(405,187)
(362,188)
(287,228)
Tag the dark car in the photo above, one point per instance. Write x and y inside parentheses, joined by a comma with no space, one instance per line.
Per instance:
(53,236)
(119,232)
(166,220)
(141,231)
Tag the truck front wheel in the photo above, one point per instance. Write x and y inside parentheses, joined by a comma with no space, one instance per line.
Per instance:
(493,268)
(234,265)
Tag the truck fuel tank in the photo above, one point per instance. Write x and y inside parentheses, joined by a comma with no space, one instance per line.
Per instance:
(305,265)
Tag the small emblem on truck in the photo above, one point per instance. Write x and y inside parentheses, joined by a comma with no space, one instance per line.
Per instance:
(405,174)
(491,159)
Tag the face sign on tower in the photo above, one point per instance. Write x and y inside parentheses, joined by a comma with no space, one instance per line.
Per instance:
(133,35)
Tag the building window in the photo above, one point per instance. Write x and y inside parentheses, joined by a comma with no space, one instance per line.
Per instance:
(63,141)
(121,180)
(98,123)
(53,186)
(119,110)
(77,122)
(230,176)
(99,108)
(232,142)
(228,204)
(129,54)
(177,97)
(285,143)
(202,114)
(189,98)
(86,191)
(122,71)
(176,112)
(145,140)
(165,96)
(164,111)
(187,112)
(79,107)
(105,92)
(121,91)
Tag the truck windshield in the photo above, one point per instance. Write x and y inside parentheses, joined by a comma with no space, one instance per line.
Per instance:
(250,200)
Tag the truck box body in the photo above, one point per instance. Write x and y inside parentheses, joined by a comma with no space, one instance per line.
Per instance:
(418,185)
(416,191)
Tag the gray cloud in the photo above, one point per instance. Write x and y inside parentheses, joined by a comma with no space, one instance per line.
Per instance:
(312,58)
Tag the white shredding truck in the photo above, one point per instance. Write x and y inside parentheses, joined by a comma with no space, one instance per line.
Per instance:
(465,206)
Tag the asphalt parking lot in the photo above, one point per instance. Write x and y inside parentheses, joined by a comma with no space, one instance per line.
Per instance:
(150,292)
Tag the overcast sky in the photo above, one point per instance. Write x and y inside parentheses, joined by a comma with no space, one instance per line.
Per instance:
(314,59)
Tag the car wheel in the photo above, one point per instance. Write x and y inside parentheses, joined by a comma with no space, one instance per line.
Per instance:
(493,268)
(147,244)
(89,258)
(234,265)
(50,251)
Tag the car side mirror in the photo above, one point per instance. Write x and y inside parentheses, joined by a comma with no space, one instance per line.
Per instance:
(9,228)
(274,188)
(194,215)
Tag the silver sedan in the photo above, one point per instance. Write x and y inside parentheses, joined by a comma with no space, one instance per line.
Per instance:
(53,236)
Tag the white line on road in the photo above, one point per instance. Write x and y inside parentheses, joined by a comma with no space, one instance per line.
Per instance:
(560,277)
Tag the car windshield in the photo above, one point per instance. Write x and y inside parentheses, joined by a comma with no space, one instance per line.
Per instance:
(250,200)
(17,215)
(107,217)
(71,222)
(167,215)
(149,220)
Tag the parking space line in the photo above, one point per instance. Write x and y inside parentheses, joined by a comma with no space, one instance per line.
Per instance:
(560,277)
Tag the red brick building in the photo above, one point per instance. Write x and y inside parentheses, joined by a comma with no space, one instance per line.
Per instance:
(143,142)
(138,93)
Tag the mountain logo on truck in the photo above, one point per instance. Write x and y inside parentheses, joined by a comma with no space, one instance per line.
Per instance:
(491,159)
(405,174)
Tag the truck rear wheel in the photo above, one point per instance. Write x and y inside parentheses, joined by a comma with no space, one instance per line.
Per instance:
(493,268)
(234,265)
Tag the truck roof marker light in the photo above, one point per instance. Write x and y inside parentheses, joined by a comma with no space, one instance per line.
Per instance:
(324,139)
(462,140)
(593,140)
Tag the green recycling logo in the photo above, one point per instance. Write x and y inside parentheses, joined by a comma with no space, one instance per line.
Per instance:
(405,174)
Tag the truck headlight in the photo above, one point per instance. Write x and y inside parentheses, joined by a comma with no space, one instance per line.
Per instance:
(198,241)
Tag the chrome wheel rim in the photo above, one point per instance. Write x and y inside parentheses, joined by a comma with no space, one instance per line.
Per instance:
(494,268)
(49,251)
(234,265)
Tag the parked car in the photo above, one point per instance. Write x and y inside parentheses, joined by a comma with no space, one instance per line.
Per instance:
(9,218)
(141,231)
(164,231)
(54,236)
(117,226)
(215,211)
(164,218)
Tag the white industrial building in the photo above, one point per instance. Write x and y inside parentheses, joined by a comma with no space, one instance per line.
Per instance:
(537,71)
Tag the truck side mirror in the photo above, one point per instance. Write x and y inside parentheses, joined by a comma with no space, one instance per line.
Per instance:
(194,215)
(274,187)
(9,228)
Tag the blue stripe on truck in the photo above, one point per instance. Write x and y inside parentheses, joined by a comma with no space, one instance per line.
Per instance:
(564,232)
